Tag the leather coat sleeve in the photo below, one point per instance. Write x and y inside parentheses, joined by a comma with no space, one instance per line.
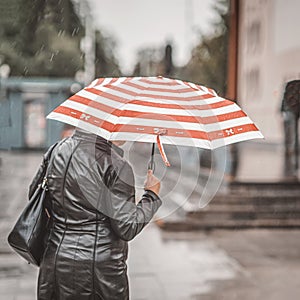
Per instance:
(128,218)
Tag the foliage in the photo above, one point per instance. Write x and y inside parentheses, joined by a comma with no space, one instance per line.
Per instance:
(42,38)
(106,63)
(208,63)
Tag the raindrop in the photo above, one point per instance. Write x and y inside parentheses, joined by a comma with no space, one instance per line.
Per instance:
(76,30)
(25,70)
(52,56)
(61,32)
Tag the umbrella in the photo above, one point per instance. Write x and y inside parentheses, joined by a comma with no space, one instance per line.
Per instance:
(157,110)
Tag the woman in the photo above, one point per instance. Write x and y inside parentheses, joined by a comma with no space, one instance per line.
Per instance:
(93,216)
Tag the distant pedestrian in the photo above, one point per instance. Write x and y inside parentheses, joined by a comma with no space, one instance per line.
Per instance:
(290,109)
(93,215)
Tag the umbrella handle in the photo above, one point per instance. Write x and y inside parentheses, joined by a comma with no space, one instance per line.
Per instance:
(151,164)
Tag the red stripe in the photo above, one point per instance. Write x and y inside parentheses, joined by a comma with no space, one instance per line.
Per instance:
(163,90)
(211,91)
(99,81)
(162,152)
(96,105)
(222,117)
(215,135)
(186,119)
(173,98)
(154,116)
(151,129)
(130,82)
(198,87)
(76,114)
(219,104)
(184,107)
(172,82)
(106,95)
(119,89)
(134,94)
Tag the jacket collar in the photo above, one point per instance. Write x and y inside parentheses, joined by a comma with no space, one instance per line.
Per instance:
(98,140)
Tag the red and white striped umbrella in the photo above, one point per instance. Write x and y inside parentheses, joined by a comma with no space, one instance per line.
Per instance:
(157,109)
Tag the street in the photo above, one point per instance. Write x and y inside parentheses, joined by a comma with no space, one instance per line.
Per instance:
(249,265)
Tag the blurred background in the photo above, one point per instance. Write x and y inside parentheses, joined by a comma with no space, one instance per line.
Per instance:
(245,242)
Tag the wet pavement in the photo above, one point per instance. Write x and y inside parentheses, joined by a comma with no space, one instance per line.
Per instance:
(248,265)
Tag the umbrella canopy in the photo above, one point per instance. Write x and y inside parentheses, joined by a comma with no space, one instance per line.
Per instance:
(157,109)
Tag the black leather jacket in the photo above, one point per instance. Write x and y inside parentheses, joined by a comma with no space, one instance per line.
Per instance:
(94,214)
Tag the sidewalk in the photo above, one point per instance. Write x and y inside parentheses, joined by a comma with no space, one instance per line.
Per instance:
(248,265)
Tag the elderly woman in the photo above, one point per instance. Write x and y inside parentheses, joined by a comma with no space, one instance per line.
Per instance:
(94,214)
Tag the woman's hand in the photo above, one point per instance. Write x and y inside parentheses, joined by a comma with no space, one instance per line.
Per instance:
(152,183)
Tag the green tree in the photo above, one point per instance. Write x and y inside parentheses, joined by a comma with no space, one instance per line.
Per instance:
(208,63)
(40,38)
(106,62)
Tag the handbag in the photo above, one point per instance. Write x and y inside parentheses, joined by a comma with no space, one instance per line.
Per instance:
(30,233)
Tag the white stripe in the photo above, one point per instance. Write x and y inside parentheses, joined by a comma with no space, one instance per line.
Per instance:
(149,91)
(140,137)
(199,88)
(159,123)
(114,93)
(166,111)
(227,124)
(91,111)
(184,125)
(181,102)
(106,81)
(92,96)
(169,140)
(99,99)
(180,141)
(153,79)
(182,112)
(236,138)
(119,81)
(93,83)
(109,80)
(85,94)
(170,87)
(79,123)
(137,80)
(183,96)
(119,105)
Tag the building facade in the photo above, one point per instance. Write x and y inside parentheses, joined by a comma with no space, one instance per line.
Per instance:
(269,57)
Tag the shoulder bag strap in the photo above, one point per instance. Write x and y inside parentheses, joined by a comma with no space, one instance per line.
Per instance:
(45,179)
